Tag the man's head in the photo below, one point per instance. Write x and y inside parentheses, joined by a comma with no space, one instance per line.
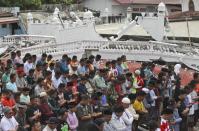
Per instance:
(13,78)
(102,72)
(98,57)
(57,74)
(137,73)
(7,70)
(43,56)
(34,100)
(182,94)
(118,109)
(43,97)
(141,95)
(8,112)
(48,75)
(13,55)
(113,63)
(65,57)
(61,87)
(26,91)
(30,59)
(49,57)
(151,84)
(22,107)
(7,93)
(83,80)
(119,61)
(72,107)
(38,67)
(18,53)
(31,72)
(85,100)
(82,62)
(52,122)
(91,58)
(36,126)
(123,57)
(132,97)
(126,102)
(167,113)
(107,115)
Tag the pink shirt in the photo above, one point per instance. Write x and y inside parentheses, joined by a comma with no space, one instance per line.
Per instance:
(72,121)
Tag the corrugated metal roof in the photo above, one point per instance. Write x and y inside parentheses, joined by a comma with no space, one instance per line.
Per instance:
(5,20)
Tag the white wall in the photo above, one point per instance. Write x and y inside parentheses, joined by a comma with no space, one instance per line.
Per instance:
(185,5)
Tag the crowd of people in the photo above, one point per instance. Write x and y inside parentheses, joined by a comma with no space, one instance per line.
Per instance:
(39,93)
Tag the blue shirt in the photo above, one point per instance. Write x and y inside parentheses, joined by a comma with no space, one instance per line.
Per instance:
(12,87)
(120,69)
(63,66)
(82,89)
(81,70)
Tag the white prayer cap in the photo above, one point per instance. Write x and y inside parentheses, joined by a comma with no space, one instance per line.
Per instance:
(126,100)
(145,90)
(42,94)
(137,72)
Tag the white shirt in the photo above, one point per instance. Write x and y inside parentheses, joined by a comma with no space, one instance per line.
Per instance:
(191,110)
(133,112)
(107,127)
(53,72)
(153,97)
(27,67)
(56,82)
(8,124)
(117,123)
(71,71)
(18,60)
(48,129)
(127,117)
(194,95)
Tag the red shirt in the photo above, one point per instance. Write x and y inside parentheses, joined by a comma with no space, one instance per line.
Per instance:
(140,81)
(7,102)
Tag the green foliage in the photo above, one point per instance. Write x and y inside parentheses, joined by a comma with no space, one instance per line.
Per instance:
(33,4)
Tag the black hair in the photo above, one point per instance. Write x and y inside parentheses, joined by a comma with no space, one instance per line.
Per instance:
(39,80)
(61,85)
(118,109)
(12,75)
(18,51)
(91,57)
(48,73)
(50,56)
(74,57)
(167,111)
(107,112)
(113,62)
(44,55)
(98,57)
(85,97)
(132,97)
(31,71)
(141,93)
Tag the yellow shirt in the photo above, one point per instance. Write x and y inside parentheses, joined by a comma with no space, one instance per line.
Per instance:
(138,106)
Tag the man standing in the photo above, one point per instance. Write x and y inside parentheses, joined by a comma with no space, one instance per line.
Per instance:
(8,122)
(117,122)
(127,116)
